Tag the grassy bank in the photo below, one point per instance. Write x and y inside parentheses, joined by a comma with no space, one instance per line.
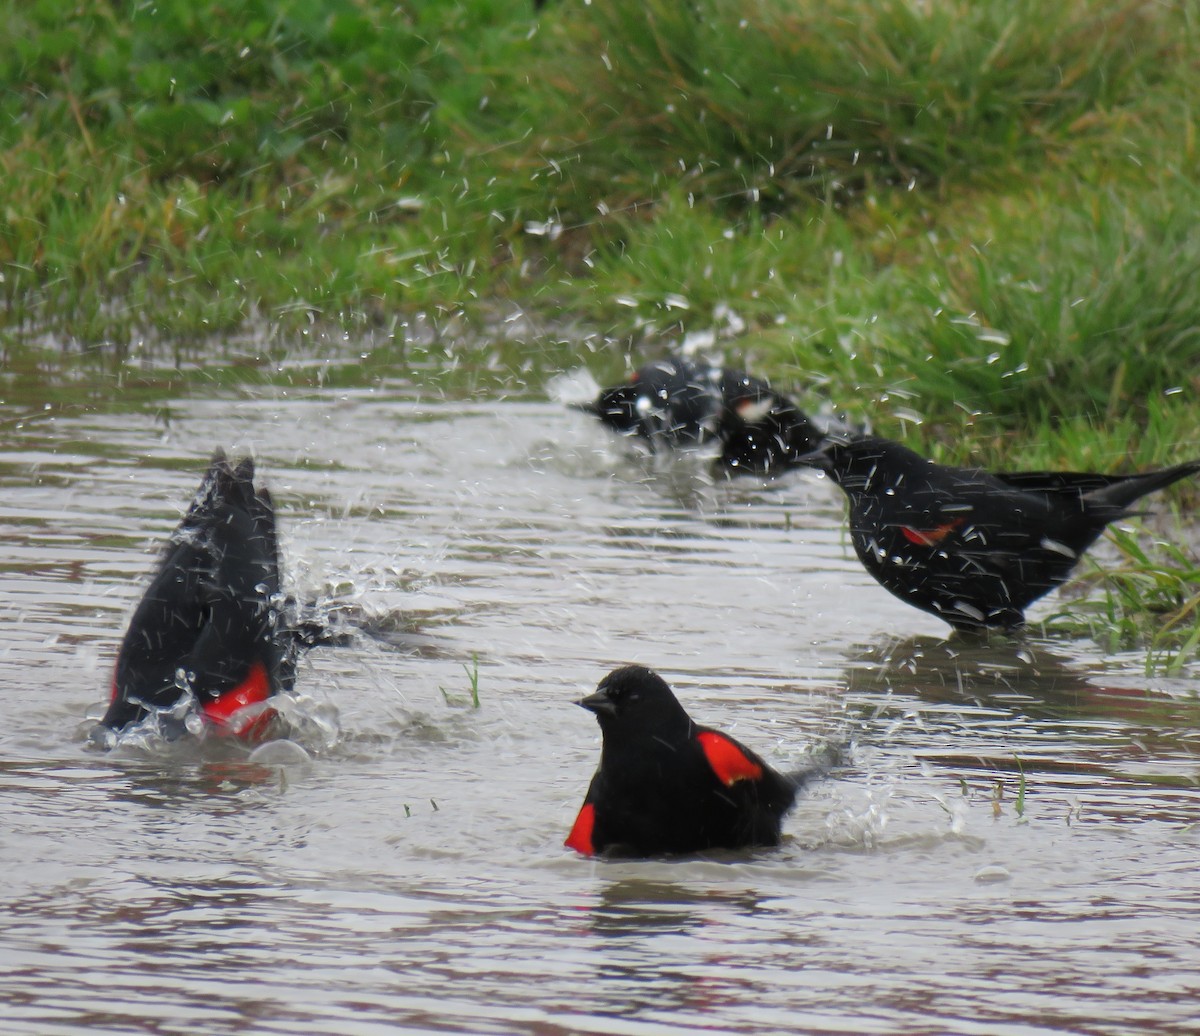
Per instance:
(970,221)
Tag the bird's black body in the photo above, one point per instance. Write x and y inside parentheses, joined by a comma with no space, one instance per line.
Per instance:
(676,403)
(669,403)
(666,785)
(972,547)
(209,621)
(769,445)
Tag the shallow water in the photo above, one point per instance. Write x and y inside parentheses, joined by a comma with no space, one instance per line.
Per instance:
(409,874)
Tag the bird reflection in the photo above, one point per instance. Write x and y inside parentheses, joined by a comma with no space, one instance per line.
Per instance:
(217,784)
(641,917)
(1019,707)
(967,670)
(634,907)
(1035,678)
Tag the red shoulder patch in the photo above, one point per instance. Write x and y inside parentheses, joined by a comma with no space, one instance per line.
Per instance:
(256,687)
(727,760)
(930,537)
(580,838)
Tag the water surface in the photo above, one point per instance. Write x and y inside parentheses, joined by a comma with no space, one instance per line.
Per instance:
(410,876)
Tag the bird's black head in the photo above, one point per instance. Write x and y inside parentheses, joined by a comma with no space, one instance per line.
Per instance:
(636,698)
(621,407)
(864,464)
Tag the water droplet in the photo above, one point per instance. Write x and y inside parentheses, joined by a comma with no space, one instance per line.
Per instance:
(992,874)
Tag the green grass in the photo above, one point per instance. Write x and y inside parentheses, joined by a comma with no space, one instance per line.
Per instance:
(472,672)
(1093,311)
(774,102)
(1149,598)
(183,169)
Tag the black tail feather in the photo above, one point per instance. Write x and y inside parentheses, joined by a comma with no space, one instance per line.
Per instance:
(1115,490)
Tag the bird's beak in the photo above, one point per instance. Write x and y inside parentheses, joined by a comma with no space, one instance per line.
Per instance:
(599,703)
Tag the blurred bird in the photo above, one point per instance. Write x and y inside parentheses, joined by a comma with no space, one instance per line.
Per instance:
(676,403)
(769,445)
(667,785)
(210,624)
(972,547)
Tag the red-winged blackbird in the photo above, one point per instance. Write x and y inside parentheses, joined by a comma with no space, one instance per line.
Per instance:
(667,785)
(972,547)
(674,402)
(209,625)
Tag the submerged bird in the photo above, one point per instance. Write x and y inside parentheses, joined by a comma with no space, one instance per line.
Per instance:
(209,625)
(972,547)
(668,785)
(676,403)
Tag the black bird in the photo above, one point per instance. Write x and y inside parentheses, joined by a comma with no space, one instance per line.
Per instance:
(210,623)
(668,785)
(769,445)
(972,547)
(676,403)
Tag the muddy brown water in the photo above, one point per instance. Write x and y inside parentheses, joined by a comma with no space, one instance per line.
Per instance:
(405,871)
